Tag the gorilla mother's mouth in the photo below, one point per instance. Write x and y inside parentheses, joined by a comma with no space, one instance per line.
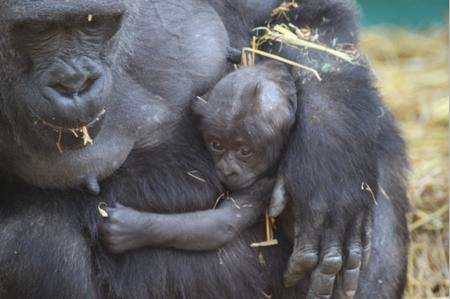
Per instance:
(77,133)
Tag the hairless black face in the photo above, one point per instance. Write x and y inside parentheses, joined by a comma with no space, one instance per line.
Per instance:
(66,80)
(246,120)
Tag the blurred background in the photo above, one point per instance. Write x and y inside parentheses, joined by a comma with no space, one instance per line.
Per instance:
(407,43)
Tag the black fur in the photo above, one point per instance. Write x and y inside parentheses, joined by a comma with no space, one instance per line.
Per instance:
(48,226)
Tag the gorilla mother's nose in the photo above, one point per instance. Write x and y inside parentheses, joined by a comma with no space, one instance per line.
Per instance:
(76,89)
(75,77)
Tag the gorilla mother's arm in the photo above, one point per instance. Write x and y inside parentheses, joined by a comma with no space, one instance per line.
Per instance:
(333,178)
(128,229)
(330,166)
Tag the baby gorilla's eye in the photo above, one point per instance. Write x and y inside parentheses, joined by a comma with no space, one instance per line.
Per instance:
(245,151)
(216,146)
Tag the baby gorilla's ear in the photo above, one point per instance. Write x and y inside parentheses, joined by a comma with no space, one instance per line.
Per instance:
(280,73)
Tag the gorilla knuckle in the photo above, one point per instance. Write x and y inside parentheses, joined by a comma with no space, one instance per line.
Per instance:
(331,263)
(354,257)
(306,259)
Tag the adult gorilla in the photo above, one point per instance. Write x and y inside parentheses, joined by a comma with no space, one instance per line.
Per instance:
(122,73)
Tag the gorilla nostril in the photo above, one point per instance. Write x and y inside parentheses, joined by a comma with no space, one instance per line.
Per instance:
(70,89)
(63,89)
(87,85)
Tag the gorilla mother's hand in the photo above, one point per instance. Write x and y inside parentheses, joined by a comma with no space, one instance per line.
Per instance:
(330,173)
(329,248)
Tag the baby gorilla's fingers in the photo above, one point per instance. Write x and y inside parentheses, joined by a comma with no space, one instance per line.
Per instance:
(304,257)
(354,253)
(278,200)
(323,277)
(107,233)
(112,215)
(120,214)
(116,248)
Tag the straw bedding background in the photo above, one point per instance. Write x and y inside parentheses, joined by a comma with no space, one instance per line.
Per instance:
(412,71)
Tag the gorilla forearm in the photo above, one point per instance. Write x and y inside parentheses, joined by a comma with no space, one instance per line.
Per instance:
(333,178)
(335,140)
(330,167)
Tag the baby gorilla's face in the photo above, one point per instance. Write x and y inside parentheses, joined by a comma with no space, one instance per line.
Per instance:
(245,121)
(239,163)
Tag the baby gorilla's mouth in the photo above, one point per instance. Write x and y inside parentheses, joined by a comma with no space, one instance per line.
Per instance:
(72,138)
(236,183)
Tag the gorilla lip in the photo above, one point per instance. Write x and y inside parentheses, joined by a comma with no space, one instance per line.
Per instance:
(74,130)
(83,131)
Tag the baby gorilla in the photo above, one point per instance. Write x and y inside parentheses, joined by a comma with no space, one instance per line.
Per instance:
(245,121)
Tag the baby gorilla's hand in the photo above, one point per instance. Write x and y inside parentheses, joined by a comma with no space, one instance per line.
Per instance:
(124,229)
(279,198)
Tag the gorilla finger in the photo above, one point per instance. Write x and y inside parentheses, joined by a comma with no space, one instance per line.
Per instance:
(277,205)
(353,260)
(323,277)
(104,228)
(300,263)
(306,252)
(352,270)
(367,239)
(279,199)
(112,214)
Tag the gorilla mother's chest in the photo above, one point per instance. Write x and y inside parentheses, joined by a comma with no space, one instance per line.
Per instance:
(180,50)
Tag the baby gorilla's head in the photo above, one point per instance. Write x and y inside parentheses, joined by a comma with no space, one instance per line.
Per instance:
(245,121)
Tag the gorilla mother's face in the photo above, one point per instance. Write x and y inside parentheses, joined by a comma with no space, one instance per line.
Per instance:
(58,88)
(66,79)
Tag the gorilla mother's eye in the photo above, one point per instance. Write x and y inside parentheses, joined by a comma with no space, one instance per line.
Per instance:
(101,24)
(35,28)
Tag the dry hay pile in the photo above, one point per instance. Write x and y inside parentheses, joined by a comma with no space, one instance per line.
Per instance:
(412,71)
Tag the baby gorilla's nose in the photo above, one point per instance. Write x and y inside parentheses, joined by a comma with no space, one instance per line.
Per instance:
(226,169)
(227,172)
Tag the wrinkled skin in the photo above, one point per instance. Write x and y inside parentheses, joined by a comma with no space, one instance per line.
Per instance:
(130,89)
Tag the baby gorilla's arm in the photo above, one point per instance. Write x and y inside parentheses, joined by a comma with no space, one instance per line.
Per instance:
(128,229)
